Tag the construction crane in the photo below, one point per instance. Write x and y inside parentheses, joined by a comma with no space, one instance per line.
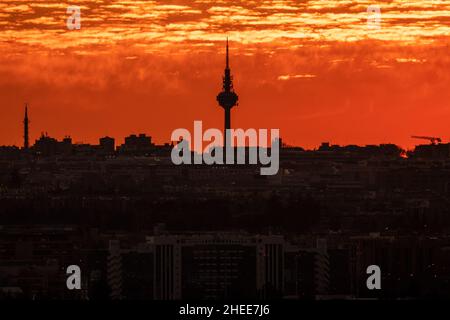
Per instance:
(433,140)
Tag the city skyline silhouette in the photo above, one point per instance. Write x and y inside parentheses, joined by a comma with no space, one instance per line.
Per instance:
(227,99)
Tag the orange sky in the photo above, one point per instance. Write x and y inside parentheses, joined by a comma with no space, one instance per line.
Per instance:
(313,69)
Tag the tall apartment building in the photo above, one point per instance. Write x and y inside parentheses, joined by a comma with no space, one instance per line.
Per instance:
(201,266)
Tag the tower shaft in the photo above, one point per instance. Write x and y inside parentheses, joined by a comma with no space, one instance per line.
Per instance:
(227,125)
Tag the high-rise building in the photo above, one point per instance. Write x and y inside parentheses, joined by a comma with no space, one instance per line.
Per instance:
(207,266)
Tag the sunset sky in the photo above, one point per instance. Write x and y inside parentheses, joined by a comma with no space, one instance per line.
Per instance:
(313,69)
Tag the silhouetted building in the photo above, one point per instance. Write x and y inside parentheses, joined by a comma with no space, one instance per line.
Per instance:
(432,151)
(137,145)
(107,144)
(46,145)
(10,153)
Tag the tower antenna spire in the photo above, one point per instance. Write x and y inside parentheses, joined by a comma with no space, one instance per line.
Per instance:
(228,60)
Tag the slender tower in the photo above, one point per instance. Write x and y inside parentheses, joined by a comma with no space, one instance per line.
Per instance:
(26,140)
(227,98)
